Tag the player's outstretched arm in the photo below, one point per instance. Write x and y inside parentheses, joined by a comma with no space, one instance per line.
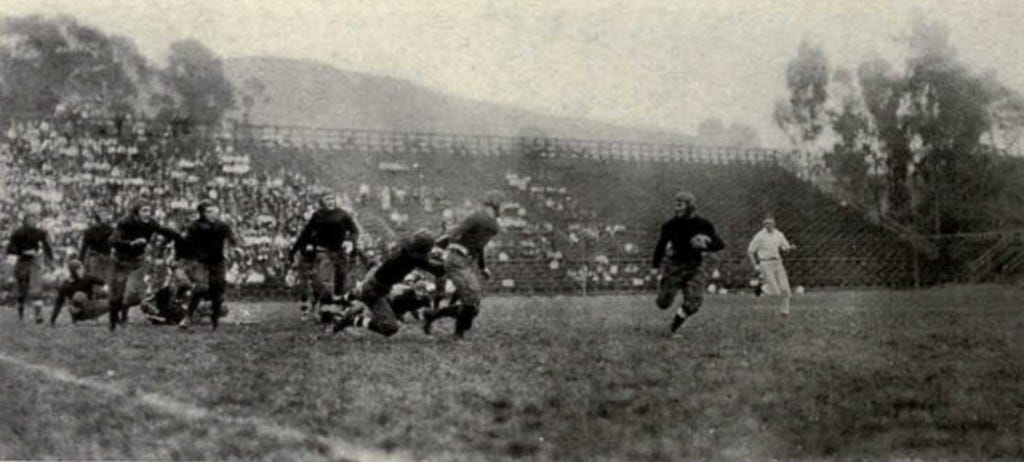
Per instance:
(659,249)
(785,245)
(429,262)
(304,236)
(12,247)
(46,247)
(118,240)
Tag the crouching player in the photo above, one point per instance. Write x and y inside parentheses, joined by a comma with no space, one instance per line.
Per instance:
(411,296)
(87,293)
(374,289)
(166,307)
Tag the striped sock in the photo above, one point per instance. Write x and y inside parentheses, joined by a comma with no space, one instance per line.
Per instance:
(362,321)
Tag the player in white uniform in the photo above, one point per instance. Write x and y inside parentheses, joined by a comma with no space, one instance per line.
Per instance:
(765,251)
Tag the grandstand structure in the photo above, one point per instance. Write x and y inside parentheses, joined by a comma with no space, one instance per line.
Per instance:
(582,216)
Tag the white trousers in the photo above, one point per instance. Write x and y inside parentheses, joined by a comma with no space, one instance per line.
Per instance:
(776,282)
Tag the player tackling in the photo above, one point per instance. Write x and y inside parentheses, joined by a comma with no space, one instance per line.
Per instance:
(375,288)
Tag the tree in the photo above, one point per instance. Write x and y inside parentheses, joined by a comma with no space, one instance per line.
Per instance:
(1007,131)
(50,63)
(883,93)
(802,116)
(921,127)
(948,109)
(853,159)
(194,77)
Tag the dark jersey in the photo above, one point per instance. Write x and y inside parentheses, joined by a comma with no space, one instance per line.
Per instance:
(475,232)
(84,284)
(327,229)
(182,248)
(407,300)
(96,239)
(69,288)
(27,239)
(164,308)
(411,254)
(678,231)
(131,229)
(205,241)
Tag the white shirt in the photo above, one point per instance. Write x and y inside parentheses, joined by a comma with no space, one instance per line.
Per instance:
(768,244)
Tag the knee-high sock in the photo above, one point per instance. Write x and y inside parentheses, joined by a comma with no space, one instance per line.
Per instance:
(115,312)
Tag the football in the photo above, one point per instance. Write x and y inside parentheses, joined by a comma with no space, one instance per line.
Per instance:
(700,241)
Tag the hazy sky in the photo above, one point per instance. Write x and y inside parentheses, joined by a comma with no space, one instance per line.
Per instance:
(662,64)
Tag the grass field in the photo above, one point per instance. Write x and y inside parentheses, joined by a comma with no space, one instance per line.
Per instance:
(930,375)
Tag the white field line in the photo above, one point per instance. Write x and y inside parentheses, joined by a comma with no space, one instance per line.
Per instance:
(340,450)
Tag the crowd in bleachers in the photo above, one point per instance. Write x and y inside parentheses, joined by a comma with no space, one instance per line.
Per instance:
(74,167)
(571,219)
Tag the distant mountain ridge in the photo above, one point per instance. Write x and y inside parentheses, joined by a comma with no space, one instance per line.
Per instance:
(309,93)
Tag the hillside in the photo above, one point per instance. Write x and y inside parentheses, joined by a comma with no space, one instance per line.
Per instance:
(307,93)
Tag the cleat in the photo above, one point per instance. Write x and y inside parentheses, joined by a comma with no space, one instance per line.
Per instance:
(677,322)
(343,299)
(428,320)
(185,322)
(345,320)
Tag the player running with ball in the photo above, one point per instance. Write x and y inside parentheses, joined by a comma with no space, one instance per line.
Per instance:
(690,236)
